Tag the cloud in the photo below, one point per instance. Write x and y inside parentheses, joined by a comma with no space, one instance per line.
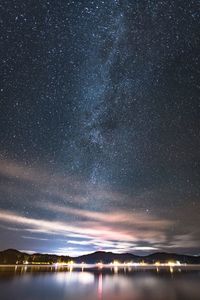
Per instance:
(116,216)
(146,248)
(46,226)
(34,238)
(97,231)
(48,185)
(63,206)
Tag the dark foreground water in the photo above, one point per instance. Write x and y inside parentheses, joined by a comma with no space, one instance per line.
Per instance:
(103,284)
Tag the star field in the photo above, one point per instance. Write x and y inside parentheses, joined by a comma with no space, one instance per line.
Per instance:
(99,118)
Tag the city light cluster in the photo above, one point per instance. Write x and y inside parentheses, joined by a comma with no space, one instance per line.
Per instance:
(115,263)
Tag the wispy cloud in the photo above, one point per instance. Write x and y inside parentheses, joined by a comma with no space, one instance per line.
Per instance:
(116,216)
(98,229)
(102,234)
(67,212)
(34,238)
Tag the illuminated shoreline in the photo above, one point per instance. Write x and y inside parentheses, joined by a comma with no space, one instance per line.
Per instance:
(103,266)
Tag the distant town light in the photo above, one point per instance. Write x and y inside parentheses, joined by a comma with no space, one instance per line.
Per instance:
(171,263)
(100,265)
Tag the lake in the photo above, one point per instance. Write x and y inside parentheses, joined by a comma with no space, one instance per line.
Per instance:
(47,283)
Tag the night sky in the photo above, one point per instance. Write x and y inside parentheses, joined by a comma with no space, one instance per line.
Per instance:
(100,126)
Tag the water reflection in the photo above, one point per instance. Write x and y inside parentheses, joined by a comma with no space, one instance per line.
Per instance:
(26,283)
(77,277)
(100,286)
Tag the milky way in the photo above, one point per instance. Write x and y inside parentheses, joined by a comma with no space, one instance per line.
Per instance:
(100,126)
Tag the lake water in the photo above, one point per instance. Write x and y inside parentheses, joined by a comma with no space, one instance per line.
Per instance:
(42,283)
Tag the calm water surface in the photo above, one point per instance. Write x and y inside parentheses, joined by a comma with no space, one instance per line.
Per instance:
(98,284)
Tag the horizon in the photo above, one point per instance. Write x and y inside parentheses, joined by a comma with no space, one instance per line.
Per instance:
(100,251)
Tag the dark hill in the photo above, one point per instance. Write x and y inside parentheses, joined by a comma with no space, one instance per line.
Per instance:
(12,256)
(164,257)
(107,257)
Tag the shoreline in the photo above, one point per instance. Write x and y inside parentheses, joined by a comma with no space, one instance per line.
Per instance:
(94,266)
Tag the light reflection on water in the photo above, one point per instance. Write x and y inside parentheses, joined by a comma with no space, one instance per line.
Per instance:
(26,283)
